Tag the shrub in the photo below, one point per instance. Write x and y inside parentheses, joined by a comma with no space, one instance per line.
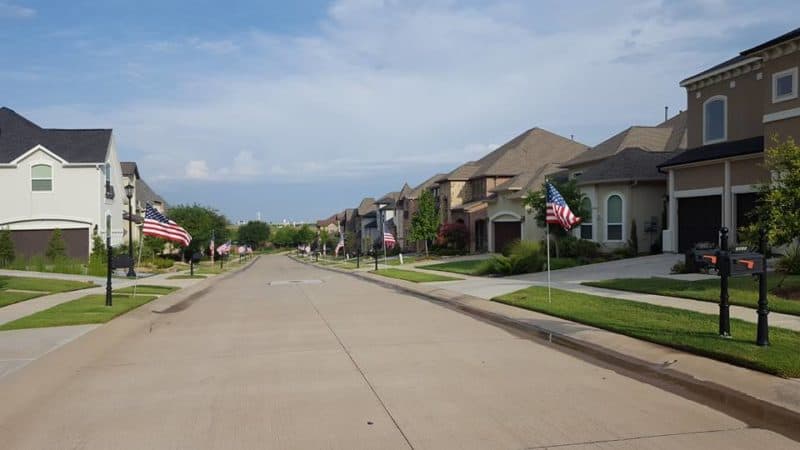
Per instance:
(6,248)
(453,236)
(524,257)
(679,267)
(572,247)
(790,263)
(56,247)
(633,242)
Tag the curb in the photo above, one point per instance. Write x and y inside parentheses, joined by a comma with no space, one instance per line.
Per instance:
(754,411)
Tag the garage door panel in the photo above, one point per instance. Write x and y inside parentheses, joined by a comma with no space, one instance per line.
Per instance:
(28,243)
(505,233)
(699,220)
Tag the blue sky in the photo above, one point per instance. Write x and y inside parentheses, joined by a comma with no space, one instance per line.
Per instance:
(298,109)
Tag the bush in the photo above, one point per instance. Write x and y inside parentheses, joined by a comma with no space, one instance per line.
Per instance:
(524,257)
(56,247)
(6,248)
(790,263)
(162,263)
(572,247)
(679,267)
(453,236)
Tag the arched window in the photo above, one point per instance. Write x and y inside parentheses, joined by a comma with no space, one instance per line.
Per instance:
(715,119)
(614,218)
(586,223)
(41,178)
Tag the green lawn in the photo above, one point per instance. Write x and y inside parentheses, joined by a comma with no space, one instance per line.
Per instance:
(147,289)
(416,277)
(468,267)
(42,284)
(185,277)
(85,310)
(9,298)
(743,291)
(685,330)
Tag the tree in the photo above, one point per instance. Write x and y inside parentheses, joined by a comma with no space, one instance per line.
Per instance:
(56,248)
(305,235)
(254,233)
(425,222)
(779,208)
(6,247)
(200,222)
(285,236)
(569,190)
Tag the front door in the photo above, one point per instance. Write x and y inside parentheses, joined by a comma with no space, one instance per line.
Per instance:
(505,233)
(699,220)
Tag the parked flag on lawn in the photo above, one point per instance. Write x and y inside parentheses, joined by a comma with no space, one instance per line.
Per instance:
(339,246)
(558,211)
(158,225)
(388,240)
(224,249)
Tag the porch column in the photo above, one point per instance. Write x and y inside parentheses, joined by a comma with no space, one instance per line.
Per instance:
(672,216)
(727,219)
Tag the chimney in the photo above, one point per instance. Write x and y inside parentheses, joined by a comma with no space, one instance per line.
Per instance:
(666,113)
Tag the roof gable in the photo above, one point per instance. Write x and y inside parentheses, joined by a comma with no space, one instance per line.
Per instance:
(19,135)
(627,165)
(530,150)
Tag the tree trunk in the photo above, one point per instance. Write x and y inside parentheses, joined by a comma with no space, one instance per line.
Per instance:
(426,248)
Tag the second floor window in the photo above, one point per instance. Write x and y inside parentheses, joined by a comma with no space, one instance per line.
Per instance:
(715,127)
(784,85)
(42,178)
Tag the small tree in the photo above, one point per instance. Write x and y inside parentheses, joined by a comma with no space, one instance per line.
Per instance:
(98,248)
(6,247)
(305,235)
(779,209)
(425,222)
(633,242)
(254,233)
(56,248)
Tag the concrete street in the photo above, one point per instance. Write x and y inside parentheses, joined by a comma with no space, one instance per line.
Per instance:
(260,361)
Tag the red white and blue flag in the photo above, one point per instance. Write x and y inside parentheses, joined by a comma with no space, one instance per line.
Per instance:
(388,240)
(224,249)
(558,211)
(158,225)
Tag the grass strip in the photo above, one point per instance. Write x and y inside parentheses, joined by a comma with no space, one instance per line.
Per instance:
(147,289)
(85,310)
(468,267)
(185,277)
(681,329)
(42,284)
(743,291)
(416,277)
(9,298)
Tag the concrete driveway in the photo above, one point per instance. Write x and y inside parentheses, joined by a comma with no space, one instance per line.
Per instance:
(266,360)
(641,267)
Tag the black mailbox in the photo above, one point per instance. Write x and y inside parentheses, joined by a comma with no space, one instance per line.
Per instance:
(745,263)
(196,257)
(702,257)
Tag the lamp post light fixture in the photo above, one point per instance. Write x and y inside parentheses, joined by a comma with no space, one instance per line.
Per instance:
(129,193)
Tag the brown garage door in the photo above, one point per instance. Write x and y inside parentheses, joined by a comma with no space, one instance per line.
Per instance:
(699,220)
(505,233)
(29,243)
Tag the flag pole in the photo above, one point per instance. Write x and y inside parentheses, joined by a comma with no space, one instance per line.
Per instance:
(549,294)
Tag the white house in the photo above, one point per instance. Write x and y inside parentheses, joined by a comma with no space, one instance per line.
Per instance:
(56,178)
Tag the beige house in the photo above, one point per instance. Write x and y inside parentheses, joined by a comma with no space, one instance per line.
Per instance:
(406,207)
(734,110)
(469,188)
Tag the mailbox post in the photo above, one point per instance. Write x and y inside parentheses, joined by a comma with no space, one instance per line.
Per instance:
(723,259)
(762,337)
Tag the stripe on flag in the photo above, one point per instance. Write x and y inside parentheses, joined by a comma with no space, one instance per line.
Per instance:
(558,211)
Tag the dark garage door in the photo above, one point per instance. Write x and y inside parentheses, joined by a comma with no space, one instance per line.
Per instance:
(29,243)
(699,220)
(505,233)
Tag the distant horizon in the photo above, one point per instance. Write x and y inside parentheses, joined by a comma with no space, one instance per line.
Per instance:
(301,109)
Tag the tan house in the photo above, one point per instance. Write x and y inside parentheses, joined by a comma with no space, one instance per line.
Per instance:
(621,184)
(471,186)
(734,109)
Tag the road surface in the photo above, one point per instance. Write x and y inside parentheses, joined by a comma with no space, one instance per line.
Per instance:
(340,363)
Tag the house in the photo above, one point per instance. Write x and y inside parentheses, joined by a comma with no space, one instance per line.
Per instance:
(57,179)
(735,109)
(407,205)
(366,223)
(471,186)
(330,225)
(142,195)
(621,184)
(386,206)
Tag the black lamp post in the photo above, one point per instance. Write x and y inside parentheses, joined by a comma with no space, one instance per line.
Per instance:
(129,193)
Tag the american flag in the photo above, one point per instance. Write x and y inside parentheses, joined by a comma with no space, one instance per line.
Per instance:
(558,211)
(224,248)
(158,225)
(388,239)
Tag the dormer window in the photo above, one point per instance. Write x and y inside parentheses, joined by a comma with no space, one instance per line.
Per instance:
(41,178)
(715,119)
(784,85)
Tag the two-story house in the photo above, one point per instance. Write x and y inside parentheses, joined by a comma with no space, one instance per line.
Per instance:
(56,179)
(529,152)
(407,206)
(735,109)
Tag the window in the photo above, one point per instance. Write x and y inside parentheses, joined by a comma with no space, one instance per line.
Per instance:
(715,126)
(41,178)
(586,224)
(614,218)
(784,85)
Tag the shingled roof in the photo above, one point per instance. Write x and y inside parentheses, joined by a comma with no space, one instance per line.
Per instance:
(366,206)
(528,151)
(667,136)
(145,194)
(535,182)
(461,173)
(631,164)
(18,135)
(129,168)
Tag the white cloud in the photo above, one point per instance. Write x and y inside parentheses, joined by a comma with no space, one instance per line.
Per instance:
(13,11)
(389,87)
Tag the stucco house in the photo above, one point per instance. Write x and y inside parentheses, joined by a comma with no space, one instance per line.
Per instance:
(56,178)
(621,183)
(735,108)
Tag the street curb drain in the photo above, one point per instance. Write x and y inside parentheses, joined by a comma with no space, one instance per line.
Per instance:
(292,282)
